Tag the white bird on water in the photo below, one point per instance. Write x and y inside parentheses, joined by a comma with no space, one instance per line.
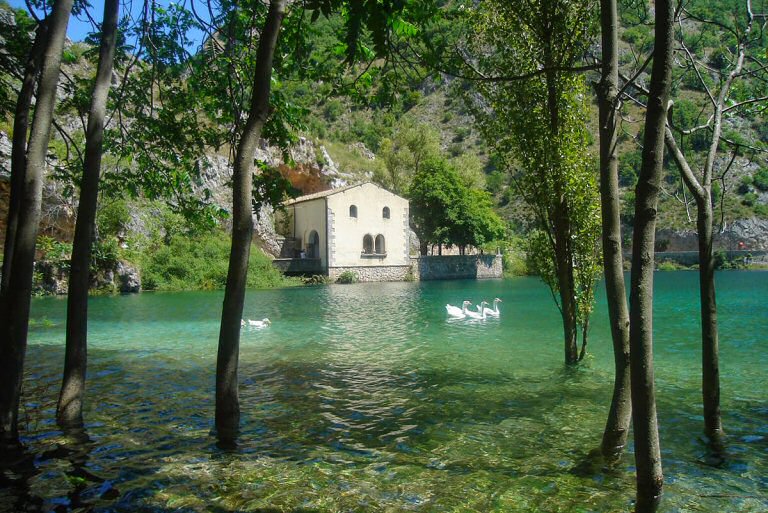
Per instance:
(480,314)
(455,311)
(491,311)
(256,324)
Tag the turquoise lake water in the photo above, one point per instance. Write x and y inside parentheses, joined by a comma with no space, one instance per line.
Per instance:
(367,398)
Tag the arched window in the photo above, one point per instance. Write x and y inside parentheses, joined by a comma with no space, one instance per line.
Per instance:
(385,213)
(352,211)
(368,245)
(380,248)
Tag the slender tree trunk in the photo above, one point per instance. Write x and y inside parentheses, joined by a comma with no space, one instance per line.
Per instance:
(69,411)
(227,400)
(620,414)
(14,311)
(584,333)
(19,149)
(710,379)
(561,226)
(647,450)
(566,287)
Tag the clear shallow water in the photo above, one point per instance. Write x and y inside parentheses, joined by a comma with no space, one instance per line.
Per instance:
(366,398)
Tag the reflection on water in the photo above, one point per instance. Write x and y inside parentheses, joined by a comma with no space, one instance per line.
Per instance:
(367,398)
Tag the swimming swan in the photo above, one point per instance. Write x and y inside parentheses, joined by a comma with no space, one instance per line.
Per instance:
(481,313)
(455,311)
(495,310)
(256,324)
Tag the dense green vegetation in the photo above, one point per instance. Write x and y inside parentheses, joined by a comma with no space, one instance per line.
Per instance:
(408,86)
(171,254)
(200,262)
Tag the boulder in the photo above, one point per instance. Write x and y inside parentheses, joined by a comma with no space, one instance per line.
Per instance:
(128,278)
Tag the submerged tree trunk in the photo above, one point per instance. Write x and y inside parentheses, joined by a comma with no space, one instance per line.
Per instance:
(227,399)
(19,149)
(620,414)
(14,311)
(69,410)
(710,378)
(647,450)
(566,287)
(561,225)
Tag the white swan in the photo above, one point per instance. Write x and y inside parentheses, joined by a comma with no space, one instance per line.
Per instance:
(256,324)
(492,311)
(455,311)
(480,314)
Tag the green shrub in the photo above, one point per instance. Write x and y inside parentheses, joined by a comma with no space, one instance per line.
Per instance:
(347,277)
(105,253)
(514,264)
(749,199)
(760,179)
(629,165)
(721,261)
(113,217)
(669,265)
(316,279)
(745,185)
(761,210)
(54,251)
(201,262)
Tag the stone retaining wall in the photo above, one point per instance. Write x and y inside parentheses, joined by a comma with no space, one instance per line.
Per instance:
(375,273)
(449,267)
(455,267)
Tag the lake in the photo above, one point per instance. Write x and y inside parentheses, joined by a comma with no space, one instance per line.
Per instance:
(367,398)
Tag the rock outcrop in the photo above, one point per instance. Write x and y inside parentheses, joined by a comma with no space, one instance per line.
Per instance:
(743,234)
(128,278)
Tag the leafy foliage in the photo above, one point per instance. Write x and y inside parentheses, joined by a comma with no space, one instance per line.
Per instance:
(347,277)
(543,145)
(200,262)
(446,210)
(15,28)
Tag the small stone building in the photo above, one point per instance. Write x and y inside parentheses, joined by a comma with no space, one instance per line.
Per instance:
(360,228)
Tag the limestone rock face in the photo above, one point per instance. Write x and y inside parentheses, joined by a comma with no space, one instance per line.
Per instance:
(51,278)
(748,234)
(128,278)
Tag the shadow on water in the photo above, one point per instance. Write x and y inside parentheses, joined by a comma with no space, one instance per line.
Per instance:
(17,469)
(20,468)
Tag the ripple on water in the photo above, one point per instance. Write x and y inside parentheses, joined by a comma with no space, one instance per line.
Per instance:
(367,397)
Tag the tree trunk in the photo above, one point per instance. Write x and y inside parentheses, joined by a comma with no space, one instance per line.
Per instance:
(561,226)
(647,450)
(620,414)
(566,287)
(227,400)
(19,149)
(710,378)
(14,311)
(69,411)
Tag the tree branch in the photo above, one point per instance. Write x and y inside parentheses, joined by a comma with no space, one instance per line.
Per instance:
(745,102)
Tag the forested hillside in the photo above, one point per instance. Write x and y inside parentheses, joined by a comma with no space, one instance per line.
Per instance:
(343,124)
